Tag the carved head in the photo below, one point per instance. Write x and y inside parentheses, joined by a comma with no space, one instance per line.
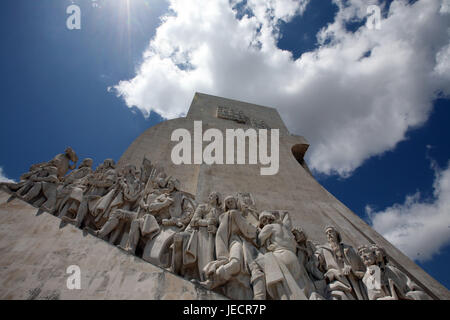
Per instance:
(109,163)
(173,184)
(367,255)
(380,254)
(214,198)
(332,234)
(70,153)
(265,218)
(129,170)
(161,180)
(229,203)
(86,163)
(146,163)
(299,235)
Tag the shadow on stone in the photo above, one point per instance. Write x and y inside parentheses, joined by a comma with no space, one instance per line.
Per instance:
(62,224)
(85,232)
(11,198)
(39,212)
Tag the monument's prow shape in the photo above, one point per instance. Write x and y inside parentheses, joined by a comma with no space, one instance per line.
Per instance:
(36,250)
(292,189)
(183,199)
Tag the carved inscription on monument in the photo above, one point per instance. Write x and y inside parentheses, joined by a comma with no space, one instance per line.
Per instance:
(239,116)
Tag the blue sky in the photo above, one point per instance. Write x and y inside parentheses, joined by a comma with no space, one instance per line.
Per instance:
(55,92)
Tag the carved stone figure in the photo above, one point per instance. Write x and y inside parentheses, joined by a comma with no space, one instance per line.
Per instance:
(286,279)
(384,281)
(40,179)
(61,162)
(146,170)
(234,249)
(172,219)
(43,185)
(204,224)
(70,194)
(146,221)
(246,204)
(98,195)
(308,260)
(342,266)
(121,208)
(230,270)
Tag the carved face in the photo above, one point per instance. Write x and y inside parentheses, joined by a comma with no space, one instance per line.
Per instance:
(129,170)
(230,203)
(247,201)
(170,185)
(213,198)
(331,234)
(266,218)
(368,257)
(71,154)
(299,235)
(265,221)
(161,180)
(86,163)
(379,254)
(108,163)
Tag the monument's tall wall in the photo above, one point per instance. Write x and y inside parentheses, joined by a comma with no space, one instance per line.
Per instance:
(293,188)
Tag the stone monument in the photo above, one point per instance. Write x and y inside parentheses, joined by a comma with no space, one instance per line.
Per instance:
(150,227)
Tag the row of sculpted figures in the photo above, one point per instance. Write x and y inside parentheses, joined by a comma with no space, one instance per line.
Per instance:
(224,244)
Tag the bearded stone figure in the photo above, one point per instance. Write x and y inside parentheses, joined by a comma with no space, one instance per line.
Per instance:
(342,266)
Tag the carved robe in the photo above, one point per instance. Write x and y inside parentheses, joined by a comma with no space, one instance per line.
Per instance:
(233,234)
(335,264)
(285,277)
(202,241)
(404,287)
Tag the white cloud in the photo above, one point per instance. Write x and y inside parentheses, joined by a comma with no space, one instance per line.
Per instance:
(3,178)
(350,106)
(418,228)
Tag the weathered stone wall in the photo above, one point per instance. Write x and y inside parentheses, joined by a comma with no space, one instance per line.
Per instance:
(35,251)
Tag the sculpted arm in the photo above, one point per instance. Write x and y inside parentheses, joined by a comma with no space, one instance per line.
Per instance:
(286,220)
(159,205)
(197,219)
(265,234)
(108,182)
(320,260)
(52,178)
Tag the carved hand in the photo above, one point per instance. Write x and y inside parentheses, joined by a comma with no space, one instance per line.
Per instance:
(179,224)
(142,204)
(212,229)
(347,269)
(331,274)
(167,222)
